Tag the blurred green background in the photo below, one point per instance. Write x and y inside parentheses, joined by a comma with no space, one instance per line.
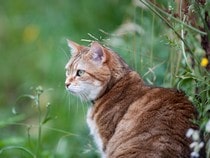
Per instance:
(33,52)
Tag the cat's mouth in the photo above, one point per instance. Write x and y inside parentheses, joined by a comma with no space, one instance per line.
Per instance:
(82,95)
(72,92)
(69,90)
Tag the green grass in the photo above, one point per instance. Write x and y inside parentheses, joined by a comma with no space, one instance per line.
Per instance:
(45,121)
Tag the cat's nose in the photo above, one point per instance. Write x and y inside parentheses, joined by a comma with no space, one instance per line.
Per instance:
(67,84)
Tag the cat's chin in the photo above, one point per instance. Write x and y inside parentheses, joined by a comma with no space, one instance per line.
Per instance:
(82,97)
(71,92)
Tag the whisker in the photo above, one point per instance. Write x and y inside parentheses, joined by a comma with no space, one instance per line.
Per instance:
(69,105)
(84,103)
(67,98)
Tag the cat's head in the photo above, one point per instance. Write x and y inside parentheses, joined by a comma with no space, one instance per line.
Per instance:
(91,70)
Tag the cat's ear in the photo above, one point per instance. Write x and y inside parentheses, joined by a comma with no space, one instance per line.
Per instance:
(97,52)
(73,46)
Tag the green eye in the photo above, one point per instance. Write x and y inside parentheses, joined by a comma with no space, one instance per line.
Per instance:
(80,72)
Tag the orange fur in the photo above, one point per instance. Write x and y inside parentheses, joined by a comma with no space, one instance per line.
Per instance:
(128,118)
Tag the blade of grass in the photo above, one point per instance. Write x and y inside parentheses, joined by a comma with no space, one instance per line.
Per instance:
(45,127)
(150,6)
(18,148)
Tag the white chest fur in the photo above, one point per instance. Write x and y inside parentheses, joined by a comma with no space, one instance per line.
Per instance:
(95,132)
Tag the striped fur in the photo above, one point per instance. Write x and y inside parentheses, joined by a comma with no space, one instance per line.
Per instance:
(128,119)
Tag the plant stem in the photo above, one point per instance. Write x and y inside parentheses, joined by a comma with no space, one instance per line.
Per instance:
(39,126)
(175,19)
(19,148)
(152,40)
(152,7)
(183,46)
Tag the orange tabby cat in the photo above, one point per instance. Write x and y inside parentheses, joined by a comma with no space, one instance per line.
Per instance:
(127,118)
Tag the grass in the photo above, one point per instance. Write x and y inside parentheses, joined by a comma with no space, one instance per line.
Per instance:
(47,121)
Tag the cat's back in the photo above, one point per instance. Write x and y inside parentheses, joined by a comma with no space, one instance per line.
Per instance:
(154,125)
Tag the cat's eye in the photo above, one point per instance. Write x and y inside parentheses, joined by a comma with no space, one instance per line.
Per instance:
(80,72)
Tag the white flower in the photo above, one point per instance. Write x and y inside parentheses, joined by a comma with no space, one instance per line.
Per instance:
(194,154)
(189,132)
(193,144)
(170,7)
(201,145)
(195,135)
(196,144)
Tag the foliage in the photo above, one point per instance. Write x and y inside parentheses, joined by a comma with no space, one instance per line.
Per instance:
(192,72)
(159,40)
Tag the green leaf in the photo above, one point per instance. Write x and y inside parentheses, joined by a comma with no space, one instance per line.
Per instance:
(18,148)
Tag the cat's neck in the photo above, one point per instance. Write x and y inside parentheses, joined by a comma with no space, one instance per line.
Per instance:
(130,81)
(119,70)
(125,76)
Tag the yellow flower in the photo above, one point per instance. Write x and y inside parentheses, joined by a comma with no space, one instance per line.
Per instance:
(30,33)
(204,62)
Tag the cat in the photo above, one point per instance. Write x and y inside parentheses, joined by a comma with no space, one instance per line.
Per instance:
(127,118)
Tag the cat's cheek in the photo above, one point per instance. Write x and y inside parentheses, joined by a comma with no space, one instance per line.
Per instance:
(93,91)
